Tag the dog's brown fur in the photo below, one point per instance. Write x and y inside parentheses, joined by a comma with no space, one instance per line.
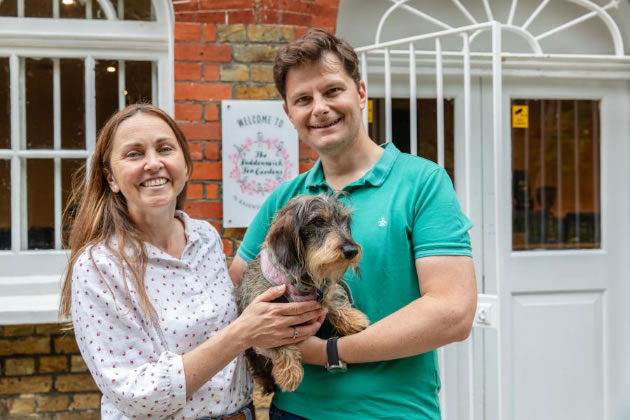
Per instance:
(310,240)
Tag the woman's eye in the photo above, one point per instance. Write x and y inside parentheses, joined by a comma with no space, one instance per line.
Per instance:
(133,154)
(166,149)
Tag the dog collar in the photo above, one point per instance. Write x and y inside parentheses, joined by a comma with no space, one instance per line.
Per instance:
(276,277)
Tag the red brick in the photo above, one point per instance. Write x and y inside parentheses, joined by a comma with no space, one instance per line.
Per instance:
(300,31)
(212,112)
(202,131)
(216,225)
(212,151)
(202,92)
(196,151)
(324,21)
(241,16)
(228,247)
(289,18)
(207,171)
(211,72)
(226,4)
(212,191)
(269,16)
(184,7)
(202,16)
(187,71)
(199,52)
(209,32)
(305,166)
(188,112)
(194,191)
(204,209)
(187,32)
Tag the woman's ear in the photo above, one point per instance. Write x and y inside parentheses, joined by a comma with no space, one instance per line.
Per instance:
(113,185)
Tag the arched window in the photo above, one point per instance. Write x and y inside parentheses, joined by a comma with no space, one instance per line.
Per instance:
(65,67)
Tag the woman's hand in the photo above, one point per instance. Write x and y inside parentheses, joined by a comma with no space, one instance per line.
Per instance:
(265,324)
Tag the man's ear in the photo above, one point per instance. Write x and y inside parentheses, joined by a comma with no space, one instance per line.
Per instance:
(286,111)
(113,185)
(362,94)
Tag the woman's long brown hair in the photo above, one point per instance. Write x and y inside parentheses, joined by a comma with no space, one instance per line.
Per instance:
(95,214)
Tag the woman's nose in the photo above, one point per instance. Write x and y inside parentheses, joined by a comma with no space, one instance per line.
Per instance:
(153,162)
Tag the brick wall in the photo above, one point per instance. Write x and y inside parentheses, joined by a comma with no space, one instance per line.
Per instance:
(44,376)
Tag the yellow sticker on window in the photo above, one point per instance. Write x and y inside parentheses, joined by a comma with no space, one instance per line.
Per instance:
(370,110)
(520,116)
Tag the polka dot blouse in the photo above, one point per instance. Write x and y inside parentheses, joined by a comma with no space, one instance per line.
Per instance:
(138,367)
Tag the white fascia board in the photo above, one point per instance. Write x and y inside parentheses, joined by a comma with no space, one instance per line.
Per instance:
(29,299)
(83,34)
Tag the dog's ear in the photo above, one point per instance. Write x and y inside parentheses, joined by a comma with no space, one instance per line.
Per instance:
(285,241)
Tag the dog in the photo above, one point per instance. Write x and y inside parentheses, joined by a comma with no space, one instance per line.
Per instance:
(309,247)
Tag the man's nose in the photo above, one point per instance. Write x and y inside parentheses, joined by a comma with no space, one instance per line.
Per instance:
(320,105)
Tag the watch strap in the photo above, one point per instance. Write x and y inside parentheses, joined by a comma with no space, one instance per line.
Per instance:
(332,352)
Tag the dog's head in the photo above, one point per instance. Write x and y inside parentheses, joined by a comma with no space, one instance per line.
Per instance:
(311,234)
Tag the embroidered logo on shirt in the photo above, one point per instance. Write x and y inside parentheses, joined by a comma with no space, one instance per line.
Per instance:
(382,222)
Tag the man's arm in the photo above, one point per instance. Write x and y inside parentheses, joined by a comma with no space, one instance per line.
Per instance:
(442,315)
(237,268)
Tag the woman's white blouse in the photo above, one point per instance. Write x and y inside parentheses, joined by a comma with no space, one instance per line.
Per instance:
(138,367)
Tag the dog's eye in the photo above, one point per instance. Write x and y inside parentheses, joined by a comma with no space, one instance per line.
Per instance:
(318,222)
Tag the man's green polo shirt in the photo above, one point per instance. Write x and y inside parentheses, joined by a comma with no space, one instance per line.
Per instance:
(403,208)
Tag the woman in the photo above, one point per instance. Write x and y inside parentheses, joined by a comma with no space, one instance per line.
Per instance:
(147,287)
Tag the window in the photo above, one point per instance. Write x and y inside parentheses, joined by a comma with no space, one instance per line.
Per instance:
(59,82)
(555,175)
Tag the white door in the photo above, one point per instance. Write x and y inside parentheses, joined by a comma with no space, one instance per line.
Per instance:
(562,274)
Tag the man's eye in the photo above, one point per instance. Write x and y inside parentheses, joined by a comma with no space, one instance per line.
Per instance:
(302,100)
(334,90)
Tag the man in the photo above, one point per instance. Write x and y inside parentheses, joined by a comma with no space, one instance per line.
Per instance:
(416,282)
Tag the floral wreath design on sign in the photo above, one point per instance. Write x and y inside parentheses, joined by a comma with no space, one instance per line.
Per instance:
(260,165)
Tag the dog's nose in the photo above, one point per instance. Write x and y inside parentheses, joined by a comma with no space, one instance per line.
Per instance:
(349,251)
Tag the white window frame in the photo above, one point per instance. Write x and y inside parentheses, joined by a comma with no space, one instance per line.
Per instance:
(30,280)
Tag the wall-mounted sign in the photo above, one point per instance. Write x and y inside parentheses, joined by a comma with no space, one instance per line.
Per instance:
(520,116)
(260,151)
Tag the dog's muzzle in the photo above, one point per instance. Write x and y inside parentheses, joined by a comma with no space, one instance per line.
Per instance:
(349,251)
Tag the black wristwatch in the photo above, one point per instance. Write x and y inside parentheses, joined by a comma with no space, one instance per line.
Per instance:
(334,365)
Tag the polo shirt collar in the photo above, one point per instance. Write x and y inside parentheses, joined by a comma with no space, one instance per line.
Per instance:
(375,176)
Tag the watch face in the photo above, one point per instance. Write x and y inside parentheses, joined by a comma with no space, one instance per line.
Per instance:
(340,368)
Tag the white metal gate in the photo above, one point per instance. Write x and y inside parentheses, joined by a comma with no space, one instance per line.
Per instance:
(463,401)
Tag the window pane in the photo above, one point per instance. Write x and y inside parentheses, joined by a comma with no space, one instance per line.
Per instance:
(72,104)
(138,82)
(427,128)
(72,9)
(8,8)
(106,75)
(5,204)
(40,196)
(5,105)
(39,103)
(556,175)
(69,168)
(138,10)
(38,8)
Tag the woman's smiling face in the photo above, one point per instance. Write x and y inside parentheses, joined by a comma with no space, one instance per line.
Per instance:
(147,164)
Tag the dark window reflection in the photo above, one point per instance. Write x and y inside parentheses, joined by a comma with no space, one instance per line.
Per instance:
(39,103)
(40,196)
(38,8)
(8,8)
(5,104)
(138,10)
(72,104)
(427,128)
(556,176)
(138,82)
(106,78)
(5,204)
(72,9)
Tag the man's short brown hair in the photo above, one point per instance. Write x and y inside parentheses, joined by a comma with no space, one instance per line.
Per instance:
(309,49)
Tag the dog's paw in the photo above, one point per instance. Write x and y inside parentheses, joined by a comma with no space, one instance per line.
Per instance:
(351,321)
(288,373)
